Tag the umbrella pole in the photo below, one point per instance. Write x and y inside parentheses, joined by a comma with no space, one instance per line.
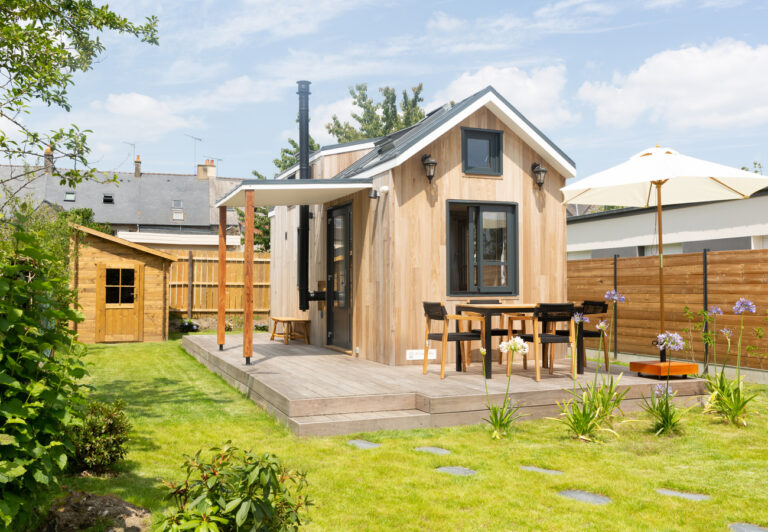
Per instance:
(658,184)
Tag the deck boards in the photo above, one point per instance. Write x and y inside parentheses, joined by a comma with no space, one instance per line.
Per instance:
(317,391)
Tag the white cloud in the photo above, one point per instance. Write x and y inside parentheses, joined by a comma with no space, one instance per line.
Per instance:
(662,4)
(132,115)
(322,114)
(538,93)
(722,85)
(183,71)
(441,21)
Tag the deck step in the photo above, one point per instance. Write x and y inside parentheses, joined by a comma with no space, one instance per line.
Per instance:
(333,424)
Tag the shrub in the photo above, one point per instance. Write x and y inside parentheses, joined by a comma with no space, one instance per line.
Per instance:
(237,490)
(591,408)
(500,418)
(189,326)
(100,440)
(40,365)
(728,399)
(665,414)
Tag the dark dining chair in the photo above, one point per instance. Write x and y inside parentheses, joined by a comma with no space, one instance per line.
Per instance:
(495,331)
(437,312)
(546,319)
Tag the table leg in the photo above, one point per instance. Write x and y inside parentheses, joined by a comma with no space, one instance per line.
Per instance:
(581,357)
(488,347)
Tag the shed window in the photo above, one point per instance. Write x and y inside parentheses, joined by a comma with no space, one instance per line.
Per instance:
(108,198)
(69,196)
(120,285)
(482,248)
(481,151)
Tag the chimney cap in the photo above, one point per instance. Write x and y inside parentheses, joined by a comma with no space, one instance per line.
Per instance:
(48,150)
(138,160)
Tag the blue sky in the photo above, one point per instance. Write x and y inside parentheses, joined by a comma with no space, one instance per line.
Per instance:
(603,79)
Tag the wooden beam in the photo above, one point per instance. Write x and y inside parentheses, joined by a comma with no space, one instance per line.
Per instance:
(222,291)
(190,284)
(248,281)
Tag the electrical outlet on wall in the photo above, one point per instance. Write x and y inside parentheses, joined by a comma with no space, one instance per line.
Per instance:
(418,354)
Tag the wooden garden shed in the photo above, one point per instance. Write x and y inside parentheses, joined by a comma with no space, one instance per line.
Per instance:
(122,288)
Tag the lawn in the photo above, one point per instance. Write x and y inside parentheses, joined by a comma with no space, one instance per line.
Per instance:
(177,406)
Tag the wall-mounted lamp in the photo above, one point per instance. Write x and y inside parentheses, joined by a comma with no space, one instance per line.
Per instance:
(373,194)
(429,166)
(539,173)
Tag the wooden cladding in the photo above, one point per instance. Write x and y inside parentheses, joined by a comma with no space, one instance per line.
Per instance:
(205,283)
(730,275)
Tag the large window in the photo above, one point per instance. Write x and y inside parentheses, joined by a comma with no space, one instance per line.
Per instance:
(480,151)
(482,248)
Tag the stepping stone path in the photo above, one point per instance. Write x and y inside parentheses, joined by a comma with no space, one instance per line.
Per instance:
(363,444)
(683,495)
(456,470)
(432,450)
(541,470)
(585,496)
(746,527)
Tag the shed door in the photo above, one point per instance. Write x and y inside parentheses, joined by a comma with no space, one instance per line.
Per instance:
(120,303)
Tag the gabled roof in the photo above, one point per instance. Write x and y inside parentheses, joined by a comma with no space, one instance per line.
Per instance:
(331,149)
(396,148)
(123,242)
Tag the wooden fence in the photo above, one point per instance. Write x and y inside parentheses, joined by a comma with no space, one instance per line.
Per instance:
(204,282)
(730,275)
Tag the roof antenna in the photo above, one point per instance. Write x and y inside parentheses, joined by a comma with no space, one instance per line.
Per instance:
(195,140)
(218,161)
(132,145)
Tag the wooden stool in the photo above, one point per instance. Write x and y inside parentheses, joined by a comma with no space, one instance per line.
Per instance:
(288,332)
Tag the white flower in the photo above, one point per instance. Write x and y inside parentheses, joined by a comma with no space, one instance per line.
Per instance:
(482,351)
(518,345)
(504,347)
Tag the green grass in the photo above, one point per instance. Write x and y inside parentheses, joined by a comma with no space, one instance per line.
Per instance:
(177,407)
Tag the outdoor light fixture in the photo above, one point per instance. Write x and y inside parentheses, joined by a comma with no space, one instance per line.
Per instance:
(539,173)
(429,166)
(373,194)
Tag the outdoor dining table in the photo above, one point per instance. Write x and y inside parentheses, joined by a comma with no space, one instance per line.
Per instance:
(490,310)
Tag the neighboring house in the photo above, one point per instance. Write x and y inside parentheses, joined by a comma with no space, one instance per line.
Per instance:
(159,210)
(632,232)
(384,238)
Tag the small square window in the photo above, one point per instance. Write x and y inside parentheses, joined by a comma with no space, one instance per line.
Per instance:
(108,198)
(481,151)
(120,284)
(177,204)
(69,196)
(177,215)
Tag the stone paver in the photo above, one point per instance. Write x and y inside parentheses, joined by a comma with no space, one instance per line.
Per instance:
(432,450)
(541,470)
(746,527)
(585,496)
(363,444)
(457,470)
(683,495)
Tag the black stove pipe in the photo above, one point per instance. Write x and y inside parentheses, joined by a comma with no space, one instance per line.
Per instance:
(304,173)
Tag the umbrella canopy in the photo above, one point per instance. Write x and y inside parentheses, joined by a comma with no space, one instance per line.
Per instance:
(685,180)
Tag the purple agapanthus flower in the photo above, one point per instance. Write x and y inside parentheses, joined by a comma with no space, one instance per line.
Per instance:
(727,332)
(714,311)
(613,295)
(670,341)
(662,389)
(744,305)
(579,317)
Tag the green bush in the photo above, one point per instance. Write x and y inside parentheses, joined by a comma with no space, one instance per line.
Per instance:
(40,366)
(666,417)
(237,490)
(100,440)
(591,408)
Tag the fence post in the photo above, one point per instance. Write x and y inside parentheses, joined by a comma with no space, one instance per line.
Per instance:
(190,286)
(615,308)
(706,306)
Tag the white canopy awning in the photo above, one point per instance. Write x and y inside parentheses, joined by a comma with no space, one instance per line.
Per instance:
(271,192)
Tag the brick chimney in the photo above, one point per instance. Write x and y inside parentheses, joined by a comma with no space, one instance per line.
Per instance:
(137,168)
(206,171)
(48,158)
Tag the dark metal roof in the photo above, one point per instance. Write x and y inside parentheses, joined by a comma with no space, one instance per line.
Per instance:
(391,146)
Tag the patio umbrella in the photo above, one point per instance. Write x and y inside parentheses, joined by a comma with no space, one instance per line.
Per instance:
(662,176)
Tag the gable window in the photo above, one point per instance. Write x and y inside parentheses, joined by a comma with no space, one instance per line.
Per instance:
(120,286)
(482,248)
(480,151)
(69,196)
(177,204)
(108,198)
(177,215)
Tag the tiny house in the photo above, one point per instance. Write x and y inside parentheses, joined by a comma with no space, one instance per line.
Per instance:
(464,204)
(122,288)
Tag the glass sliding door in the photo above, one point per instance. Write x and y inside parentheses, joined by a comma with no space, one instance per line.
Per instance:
(339,268)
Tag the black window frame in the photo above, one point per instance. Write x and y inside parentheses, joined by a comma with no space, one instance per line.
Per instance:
(69,195)
(513,248)
(496,142)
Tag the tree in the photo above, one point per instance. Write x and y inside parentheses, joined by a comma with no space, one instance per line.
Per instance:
(42,46)
(756,168)
(260,221)
(377,119)
(290,156)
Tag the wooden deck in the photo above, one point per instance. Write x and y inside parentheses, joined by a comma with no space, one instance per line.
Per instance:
(319,392)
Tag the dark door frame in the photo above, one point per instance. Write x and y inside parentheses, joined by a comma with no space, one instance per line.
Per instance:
(348,250)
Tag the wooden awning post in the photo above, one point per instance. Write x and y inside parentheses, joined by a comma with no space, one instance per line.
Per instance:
(248,281)
(222,292)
